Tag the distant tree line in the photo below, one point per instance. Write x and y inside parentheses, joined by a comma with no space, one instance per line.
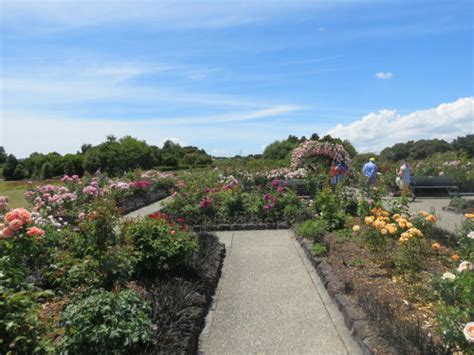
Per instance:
(279,150)
(420,149)
(113,157)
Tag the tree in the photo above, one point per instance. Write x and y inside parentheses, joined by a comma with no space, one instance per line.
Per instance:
(279,150)
(9,167)
(20,172)
(465,144)
(46,171)
(3,155)
(170,160)
(85,148)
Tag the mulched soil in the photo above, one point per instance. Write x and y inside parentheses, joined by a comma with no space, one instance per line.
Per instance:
(399,309)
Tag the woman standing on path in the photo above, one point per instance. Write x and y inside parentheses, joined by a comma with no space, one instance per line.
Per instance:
(404,173)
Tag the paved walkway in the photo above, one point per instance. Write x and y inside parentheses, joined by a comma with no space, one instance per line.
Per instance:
(448,220)
(145,211)
(270,300)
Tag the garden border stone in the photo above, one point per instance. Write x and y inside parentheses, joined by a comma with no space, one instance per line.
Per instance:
(355,318)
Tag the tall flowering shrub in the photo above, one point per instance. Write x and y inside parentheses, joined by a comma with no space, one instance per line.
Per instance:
(308,150)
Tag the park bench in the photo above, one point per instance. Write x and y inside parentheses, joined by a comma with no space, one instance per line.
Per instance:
(466,187)
(441,183)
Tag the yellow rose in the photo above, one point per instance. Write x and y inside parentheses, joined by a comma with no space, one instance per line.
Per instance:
(424,213)
(430,218)
(469,215)
(383,231)
(409,225)
(356,228)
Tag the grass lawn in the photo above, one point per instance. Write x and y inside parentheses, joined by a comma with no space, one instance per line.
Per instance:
(15,191)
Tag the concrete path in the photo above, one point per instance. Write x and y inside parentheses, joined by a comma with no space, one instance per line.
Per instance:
(145,211)
(448,220)
(270,301)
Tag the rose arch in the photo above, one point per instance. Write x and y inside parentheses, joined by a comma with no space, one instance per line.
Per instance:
(305,154)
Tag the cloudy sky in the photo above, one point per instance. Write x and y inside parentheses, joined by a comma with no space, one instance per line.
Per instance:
(232,76)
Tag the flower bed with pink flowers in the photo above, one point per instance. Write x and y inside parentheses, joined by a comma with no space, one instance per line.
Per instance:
(76,278)
(209,200)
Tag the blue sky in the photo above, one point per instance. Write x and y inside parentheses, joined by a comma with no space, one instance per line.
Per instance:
(232,76)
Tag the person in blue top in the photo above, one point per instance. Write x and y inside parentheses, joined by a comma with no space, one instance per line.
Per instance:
(369,171)
(341,171)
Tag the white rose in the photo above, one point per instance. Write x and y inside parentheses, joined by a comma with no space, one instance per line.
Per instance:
(471,235)
(448,276)
(465,265)
(469,332)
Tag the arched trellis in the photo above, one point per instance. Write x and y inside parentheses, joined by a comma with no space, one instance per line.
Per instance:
(309,149)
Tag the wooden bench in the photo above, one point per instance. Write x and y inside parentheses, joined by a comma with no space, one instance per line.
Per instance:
(443,183)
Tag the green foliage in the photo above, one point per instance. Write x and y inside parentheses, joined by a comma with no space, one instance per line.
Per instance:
(20,172)
(332,206)
(161,245)
(456,308)
(465,144)
(313,229)
(20,327)
(357,262)
(46,171)
(9,167)
(319,249)
(421,149)
(3,155)
(97,320)
(279,150)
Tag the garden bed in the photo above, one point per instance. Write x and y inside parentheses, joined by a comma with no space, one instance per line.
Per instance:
(384,314)
(181,301)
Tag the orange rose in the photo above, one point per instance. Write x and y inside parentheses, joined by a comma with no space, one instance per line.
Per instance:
(436,246)
(455,257)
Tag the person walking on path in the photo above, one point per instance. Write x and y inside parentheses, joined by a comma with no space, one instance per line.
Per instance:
(369,171)
(404,173)
(333,175)
(341,171)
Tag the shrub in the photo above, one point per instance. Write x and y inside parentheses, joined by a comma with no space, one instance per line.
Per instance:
(160,244)
(99,320)
(332,206)
(20,328)
(313,229)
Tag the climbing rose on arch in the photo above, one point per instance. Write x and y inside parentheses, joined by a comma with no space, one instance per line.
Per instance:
(310,149)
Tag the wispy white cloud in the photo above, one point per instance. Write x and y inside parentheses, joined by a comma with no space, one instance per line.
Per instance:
(384,75)
(375,131)
(48,132)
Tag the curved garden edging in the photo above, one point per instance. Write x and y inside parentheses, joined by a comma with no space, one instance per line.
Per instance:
(355,318)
